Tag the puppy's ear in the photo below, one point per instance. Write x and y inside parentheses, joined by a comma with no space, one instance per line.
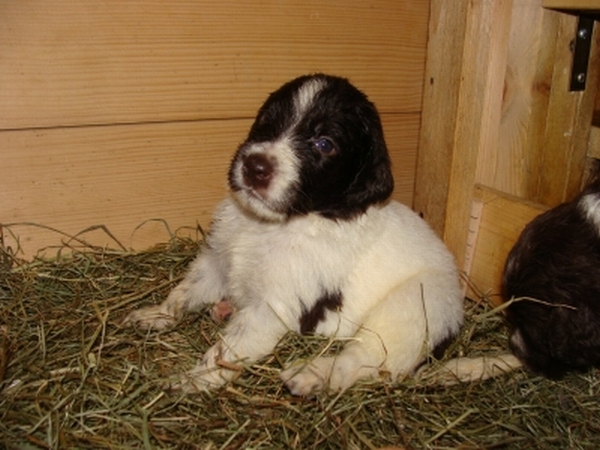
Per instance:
(374,182)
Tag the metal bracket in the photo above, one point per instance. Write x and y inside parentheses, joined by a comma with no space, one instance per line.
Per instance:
(581,53)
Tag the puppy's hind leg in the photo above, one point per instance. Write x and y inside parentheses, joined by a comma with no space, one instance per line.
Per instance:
(467,370)
(392,339)
(205,283)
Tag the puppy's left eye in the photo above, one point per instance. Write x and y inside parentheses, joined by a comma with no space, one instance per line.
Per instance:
(324,145)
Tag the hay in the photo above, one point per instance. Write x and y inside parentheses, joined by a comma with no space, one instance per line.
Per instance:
(71,377)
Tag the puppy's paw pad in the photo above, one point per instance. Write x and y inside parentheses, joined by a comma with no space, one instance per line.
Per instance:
(202,378)
(151,317)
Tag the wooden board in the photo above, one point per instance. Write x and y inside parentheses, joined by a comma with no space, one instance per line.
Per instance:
(447,24)
(66,63)
(572,5)
(502,218)
(509,120)
(593,150)
(543,128)
(481,83)
(117,113)
(506,163)
(123,176)
(568,122)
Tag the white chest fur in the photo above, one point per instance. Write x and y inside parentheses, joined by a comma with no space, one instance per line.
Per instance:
(291,265)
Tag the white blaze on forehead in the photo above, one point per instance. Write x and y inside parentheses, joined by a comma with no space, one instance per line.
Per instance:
(306,94)
(273,201)
(590,205)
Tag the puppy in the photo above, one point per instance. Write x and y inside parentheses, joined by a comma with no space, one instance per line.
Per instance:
(309,242)
(552,283)
(554,273)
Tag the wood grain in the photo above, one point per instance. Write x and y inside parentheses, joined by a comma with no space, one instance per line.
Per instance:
(478,110)
(117,113)
(507,119)
(125,176)
(503,218)
(65,63)
(506,165)
(593,150)
(568,121)
(544,128)
(573,5)
(440,100)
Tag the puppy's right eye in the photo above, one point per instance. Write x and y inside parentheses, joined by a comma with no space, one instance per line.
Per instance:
(324,145)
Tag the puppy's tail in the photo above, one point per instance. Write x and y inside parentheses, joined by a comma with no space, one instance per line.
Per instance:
(467,370)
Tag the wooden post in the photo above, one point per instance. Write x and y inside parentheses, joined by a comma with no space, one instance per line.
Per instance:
(472,112)
(447,23)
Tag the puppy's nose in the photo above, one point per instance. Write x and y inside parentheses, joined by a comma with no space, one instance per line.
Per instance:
(257,170)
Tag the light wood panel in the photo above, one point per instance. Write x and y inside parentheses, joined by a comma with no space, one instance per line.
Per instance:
(593,150)
(116,113)
(122,176)
(501,220)
(573,5)
(447,24)
(544,128)
(478,109)
(511,122)
(512,162)
(568,124)
(104,62)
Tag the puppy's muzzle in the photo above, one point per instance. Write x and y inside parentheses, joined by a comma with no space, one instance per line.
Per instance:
(258,171)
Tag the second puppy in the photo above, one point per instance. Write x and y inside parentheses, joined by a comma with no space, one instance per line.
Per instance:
(554,272)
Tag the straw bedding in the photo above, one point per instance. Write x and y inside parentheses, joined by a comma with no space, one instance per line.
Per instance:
(71,377)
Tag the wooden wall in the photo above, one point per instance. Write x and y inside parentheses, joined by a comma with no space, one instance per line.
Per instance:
(503,138)
(115,113)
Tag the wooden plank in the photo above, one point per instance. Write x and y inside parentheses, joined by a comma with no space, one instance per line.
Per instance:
(478,111)
(544,128)
(528,163)
(568,121)
(120,176)
(594,143)
(65,63)
(572,5)
(503,217)
(509,122)
(507,165)
(440,100)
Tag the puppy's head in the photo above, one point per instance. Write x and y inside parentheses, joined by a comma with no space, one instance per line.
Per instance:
(316,146)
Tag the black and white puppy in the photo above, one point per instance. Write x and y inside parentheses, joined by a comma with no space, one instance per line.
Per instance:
(309,242)
(554,273)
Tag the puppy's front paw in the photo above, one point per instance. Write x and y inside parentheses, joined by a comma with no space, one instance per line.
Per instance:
(202,378)
(150,317)
(306,379)
(188,383)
